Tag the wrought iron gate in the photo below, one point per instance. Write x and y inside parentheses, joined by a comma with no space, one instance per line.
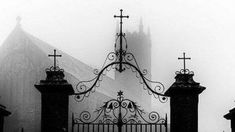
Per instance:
(119,115)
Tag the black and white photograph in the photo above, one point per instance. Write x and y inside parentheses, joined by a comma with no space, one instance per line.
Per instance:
(117,66)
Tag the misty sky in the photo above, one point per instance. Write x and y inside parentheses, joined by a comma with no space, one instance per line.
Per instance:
(204,29)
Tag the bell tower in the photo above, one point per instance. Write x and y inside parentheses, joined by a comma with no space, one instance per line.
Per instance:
(139,44)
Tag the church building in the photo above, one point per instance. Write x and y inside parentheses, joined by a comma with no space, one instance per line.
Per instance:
(23,60)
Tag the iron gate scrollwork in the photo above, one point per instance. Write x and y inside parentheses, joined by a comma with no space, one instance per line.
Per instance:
(119,115)
(120,60)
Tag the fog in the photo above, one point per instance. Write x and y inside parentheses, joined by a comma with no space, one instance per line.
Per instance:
(85,29)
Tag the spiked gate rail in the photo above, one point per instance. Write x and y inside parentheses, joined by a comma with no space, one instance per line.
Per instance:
(119,115)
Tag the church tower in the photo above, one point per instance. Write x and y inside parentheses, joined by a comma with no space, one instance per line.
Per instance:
(139,44)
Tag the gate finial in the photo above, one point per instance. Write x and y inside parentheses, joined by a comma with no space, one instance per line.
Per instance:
(121,35)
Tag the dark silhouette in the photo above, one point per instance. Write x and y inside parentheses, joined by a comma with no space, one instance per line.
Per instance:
(120,60)
(55,55)
(184,59)
(3,113)
(120,69)
(55,91)
(231,116)
(183,95)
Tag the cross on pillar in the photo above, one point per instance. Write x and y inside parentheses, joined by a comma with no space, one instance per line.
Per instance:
(54,55)
(184,58)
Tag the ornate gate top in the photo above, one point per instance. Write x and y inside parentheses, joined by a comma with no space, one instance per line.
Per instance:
(120,35)
(120,60)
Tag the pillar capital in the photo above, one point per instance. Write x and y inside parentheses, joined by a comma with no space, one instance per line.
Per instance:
(183,95)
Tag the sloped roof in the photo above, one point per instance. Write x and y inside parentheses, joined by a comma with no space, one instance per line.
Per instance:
(20,40)
(23,60)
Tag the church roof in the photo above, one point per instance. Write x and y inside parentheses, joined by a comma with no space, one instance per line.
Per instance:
(23,60)
(20,41)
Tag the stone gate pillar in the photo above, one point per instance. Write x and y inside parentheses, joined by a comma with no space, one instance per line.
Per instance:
(183,95)
(184,103)
(231,116)
(55,91)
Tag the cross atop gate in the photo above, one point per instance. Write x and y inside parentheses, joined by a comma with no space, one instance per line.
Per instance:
(184,58)
(121,16)
(121,35)
(54,55)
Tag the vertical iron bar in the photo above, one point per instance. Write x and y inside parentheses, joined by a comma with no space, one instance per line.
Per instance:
(166,124)
(131,127)
(160,127)
(126,128)
(88,127)
(135,127)
(184,62)
(140,127)
(113,128)
(98,127)
(150,127)
(72,123)
(103,127)
(54,59)
(145,127)
(120,59)
(93,127)
(83,127)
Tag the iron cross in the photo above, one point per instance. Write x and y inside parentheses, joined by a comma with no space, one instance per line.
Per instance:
(184,58)
(121,16)
(121,35)
(55,55)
